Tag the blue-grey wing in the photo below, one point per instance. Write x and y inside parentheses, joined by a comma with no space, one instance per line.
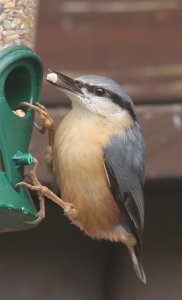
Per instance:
(124,160)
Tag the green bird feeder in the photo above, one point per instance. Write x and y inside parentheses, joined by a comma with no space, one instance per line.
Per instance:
(20,80)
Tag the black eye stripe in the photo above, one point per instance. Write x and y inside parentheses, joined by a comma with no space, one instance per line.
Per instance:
(123,103)
(115,98)
(90,88)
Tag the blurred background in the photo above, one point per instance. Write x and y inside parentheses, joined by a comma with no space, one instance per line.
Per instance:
(139,44)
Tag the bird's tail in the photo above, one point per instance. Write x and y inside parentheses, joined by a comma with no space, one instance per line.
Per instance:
(137,263)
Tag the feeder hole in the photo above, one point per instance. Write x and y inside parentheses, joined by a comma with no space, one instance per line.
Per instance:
(18,87)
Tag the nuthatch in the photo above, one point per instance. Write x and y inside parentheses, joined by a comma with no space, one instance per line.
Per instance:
(98,159)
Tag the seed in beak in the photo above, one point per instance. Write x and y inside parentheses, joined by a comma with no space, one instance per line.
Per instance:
(52,77)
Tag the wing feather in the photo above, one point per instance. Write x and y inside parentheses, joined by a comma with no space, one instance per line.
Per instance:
(124,160)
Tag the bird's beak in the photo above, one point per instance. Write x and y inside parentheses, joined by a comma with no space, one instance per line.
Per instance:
(63,82)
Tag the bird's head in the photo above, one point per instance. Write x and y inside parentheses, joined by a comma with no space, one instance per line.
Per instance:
(97,94)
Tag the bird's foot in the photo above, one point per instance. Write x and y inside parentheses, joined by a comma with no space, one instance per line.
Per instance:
(44,191)
(47,120)
(40,191)
(36,186)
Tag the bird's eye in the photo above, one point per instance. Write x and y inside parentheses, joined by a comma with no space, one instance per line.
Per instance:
(100,92)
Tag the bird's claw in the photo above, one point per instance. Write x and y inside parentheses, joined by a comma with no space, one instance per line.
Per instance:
(44,191)
(47,120)
(40,189)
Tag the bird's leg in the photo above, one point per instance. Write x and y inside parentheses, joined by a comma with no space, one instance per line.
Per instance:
(44,191)
(48,124)
(47,120)
(35,181)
